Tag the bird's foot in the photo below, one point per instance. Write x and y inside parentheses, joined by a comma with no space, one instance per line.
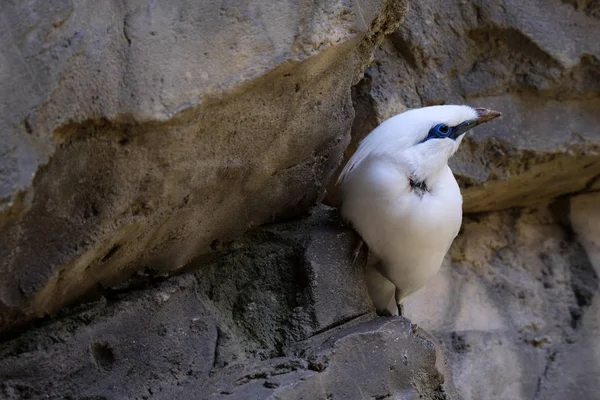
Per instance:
(400,309)
(398,297)
(357,250)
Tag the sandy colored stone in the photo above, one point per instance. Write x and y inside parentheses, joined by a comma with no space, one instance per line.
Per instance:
(138,136)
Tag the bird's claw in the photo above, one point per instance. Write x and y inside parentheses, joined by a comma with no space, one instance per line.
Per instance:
(400,309)
(398,297)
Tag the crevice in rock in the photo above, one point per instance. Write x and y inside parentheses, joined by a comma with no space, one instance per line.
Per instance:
(339,323)
(111,252)
(389,18)
(588,186)
(550,359)
(126,29)
(584,280)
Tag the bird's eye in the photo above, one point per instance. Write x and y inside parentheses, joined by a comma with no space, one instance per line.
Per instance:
(443,129)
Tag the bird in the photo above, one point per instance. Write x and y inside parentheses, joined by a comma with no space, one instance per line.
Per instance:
(399,194)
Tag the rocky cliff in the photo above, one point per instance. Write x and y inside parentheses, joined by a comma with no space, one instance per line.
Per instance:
(159,166)
(516,303)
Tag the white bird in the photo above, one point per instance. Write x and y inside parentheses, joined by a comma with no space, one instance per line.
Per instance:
(403,200)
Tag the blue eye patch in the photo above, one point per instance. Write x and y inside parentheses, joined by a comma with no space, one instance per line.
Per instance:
(443,131)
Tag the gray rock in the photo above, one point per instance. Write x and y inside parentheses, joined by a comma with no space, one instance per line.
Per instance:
(288,281)
(139,138)
(515,305)
(135,135)
(535,62)
(259,322)
(575,366)
(381,358)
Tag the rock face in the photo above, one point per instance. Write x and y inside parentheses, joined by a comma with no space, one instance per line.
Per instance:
(576,366)
(284,314)
(516,302)
(136,136)
(139,138)
(502,56)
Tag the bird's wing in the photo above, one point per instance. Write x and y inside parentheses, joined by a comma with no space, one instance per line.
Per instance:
(378,142)
(361,154)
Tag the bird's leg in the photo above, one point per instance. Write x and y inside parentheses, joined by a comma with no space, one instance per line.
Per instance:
(357,249)
(398,297)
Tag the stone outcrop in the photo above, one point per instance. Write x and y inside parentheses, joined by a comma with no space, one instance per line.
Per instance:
(515,304)
(138,136)
(517,296)
(283,313)
(540,69)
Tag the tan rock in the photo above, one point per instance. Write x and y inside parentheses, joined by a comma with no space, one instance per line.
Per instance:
(138,136)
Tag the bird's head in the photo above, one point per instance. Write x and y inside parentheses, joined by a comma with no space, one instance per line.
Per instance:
(421,140)
(433,135)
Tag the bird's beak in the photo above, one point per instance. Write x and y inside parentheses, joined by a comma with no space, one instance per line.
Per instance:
(485,115)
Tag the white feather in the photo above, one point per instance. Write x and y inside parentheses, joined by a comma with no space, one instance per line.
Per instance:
(410,232)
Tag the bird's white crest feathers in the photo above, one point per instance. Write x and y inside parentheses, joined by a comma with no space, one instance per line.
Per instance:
(398,133)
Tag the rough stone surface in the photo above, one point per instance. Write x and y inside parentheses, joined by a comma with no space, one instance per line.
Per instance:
(136,135)
(259,322)
(537,62)
(140,137)
(576,365)
(515,304)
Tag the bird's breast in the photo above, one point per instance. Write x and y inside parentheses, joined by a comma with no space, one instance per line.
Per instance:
(410,231)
